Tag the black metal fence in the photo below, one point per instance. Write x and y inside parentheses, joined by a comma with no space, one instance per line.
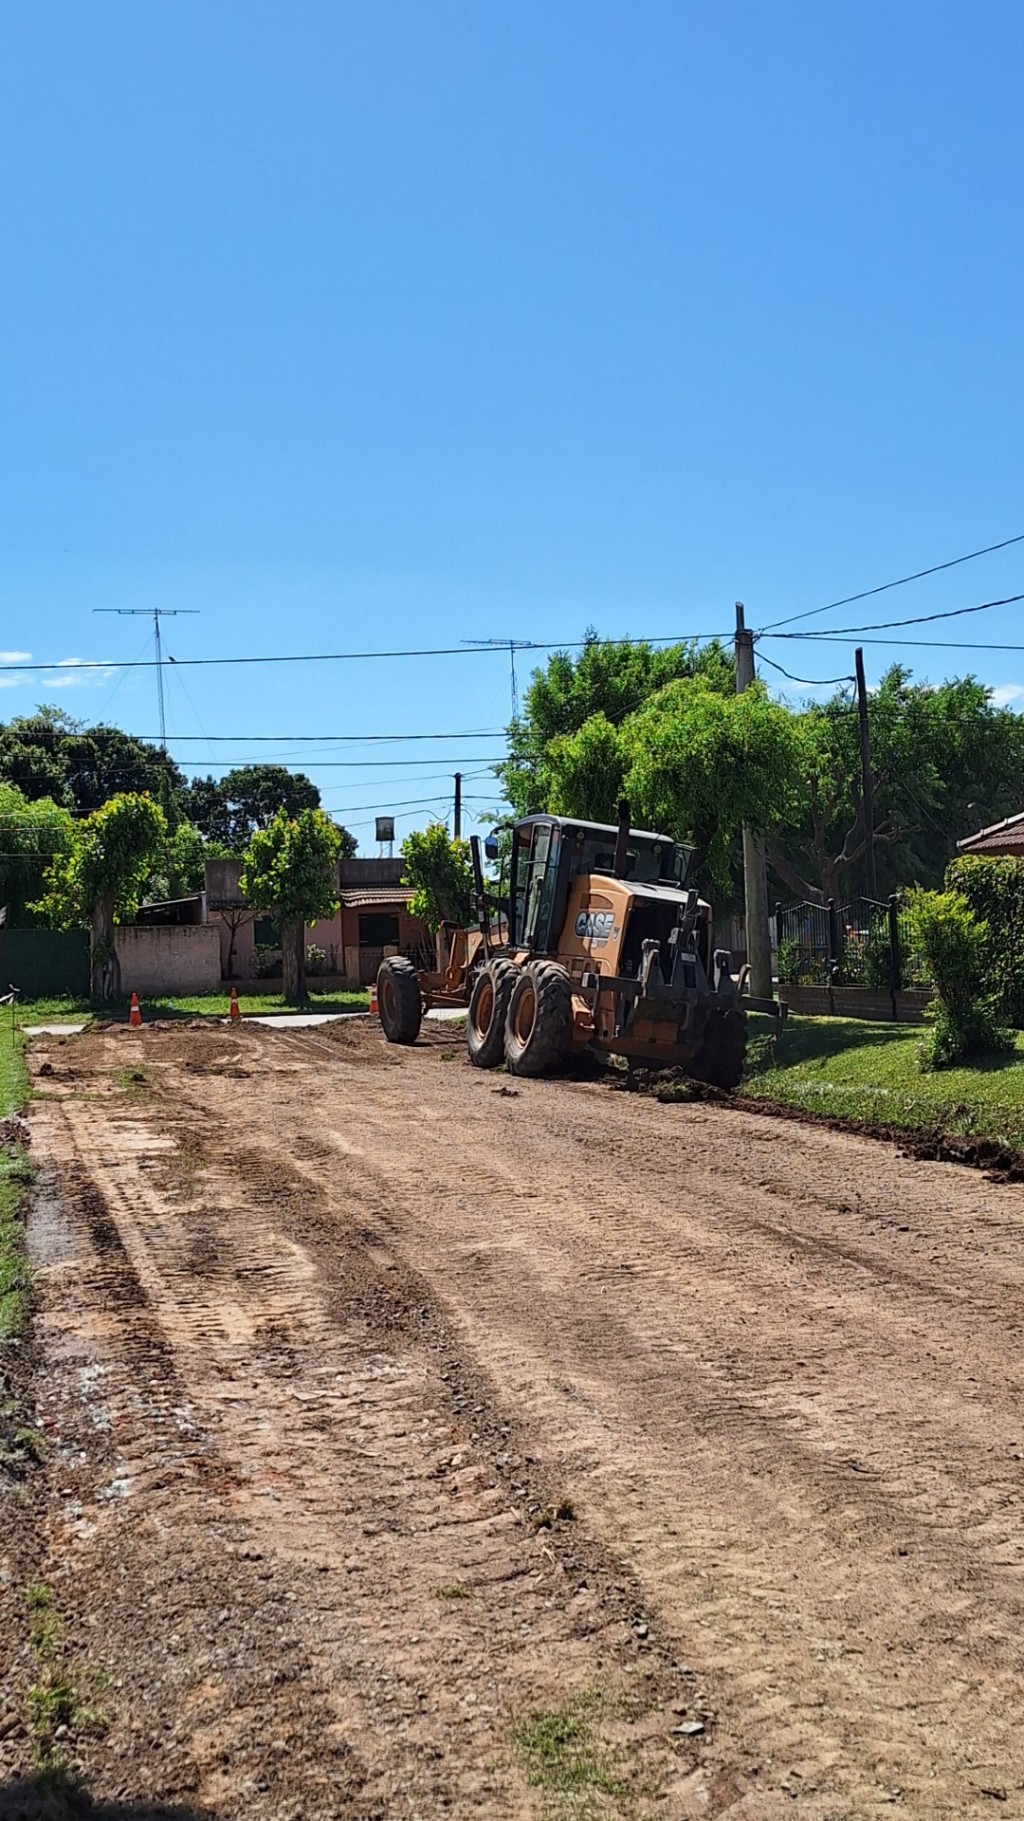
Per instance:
(861,943)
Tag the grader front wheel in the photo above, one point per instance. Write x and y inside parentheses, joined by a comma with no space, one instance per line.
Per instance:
(399,1001)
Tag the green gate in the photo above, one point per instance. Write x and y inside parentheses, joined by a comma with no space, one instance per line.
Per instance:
(45,963)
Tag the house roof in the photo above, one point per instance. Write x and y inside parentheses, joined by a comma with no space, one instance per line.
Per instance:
(1006,837)
(370,896)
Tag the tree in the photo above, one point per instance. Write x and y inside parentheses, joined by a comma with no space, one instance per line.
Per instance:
(232,808)
(700,764)
(99,877)
(943,760)
(50,755)
(290,871)
(32,835)
(180,869)
(585,771)
(610,680)
(441,873)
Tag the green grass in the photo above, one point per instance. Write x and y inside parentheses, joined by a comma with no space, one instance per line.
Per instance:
(850,1069)
(15,1176)
(196,1005)
(565,1756)
(217,1005)
(57,1709)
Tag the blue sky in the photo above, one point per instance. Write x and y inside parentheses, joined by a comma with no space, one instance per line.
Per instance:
(364,326)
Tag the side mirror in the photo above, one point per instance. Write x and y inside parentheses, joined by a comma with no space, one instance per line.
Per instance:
(491,847)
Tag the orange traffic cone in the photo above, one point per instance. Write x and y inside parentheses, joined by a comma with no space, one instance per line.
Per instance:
(373,1001)
(234,1010)
(134,1015)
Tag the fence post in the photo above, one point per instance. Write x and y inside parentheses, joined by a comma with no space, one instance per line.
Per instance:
(835,956)
(894,956)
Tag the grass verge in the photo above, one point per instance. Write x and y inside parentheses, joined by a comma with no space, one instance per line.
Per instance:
(15,1177)
(847,1068)
(195,1005)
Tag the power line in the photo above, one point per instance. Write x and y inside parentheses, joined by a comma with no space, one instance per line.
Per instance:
(917,619)
(815,682)
(900,582)
(316,739)
(355,809)
(822,638)
(338,657)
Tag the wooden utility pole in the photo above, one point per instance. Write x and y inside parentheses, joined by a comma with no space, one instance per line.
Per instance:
(755,872)
(457,819)
(867,795)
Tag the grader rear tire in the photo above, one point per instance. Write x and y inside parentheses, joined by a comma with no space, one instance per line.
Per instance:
(488,1009)
(539,1021)
(398,1000)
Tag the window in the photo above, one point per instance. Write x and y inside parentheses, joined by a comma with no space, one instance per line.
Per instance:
(378,929)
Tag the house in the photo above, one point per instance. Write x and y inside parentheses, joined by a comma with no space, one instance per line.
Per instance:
(1004,838)
(372,920)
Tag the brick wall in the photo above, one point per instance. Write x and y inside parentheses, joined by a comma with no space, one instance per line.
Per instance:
(182,959)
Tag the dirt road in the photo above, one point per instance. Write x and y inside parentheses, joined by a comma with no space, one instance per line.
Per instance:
(421,1443)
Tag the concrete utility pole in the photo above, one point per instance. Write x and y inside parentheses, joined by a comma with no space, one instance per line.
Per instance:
(457,818)
(755,874)
(867,795)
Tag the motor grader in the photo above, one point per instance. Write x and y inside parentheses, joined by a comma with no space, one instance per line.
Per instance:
(598,944)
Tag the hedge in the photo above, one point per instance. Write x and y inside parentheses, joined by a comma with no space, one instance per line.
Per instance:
(994,889)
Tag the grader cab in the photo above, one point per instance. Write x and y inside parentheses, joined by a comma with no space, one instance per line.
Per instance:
(599,943)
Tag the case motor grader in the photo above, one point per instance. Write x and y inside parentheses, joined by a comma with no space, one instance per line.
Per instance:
(599,944)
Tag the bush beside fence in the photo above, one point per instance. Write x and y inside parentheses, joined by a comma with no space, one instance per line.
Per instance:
(994,889)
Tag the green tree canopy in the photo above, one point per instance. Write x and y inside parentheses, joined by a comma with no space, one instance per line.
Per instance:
(290,869)
(610,680)
(99,878)
(32,836)
(663,728)
(48,754)
(441,872)
(700,763)
(230,809)
(180,869)
(944,761)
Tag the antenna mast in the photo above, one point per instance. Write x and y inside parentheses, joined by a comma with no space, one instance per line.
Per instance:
(158,614)
(511,646)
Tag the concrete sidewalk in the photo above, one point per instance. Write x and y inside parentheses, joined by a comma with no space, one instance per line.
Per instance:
(287,1020)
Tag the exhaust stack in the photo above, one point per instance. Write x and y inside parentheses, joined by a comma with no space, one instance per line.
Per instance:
(621,838)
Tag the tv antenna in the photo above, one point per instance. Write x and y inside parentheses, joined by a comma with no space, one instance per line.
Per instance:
(511,646)
(156,614)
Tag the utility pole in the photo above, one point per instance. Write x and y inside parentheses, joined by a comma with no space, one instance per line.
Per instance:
(458,806)
(755,873)
(867,795)
(158,614)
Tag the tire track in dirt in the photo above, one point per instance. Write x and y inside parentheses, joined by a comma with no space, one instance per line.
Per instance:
(848,1440)
(264,1404)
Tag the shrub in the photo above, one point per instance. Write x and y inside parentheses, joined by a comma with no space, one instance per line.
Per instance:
(994,888)
(316,959)
(954,945)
